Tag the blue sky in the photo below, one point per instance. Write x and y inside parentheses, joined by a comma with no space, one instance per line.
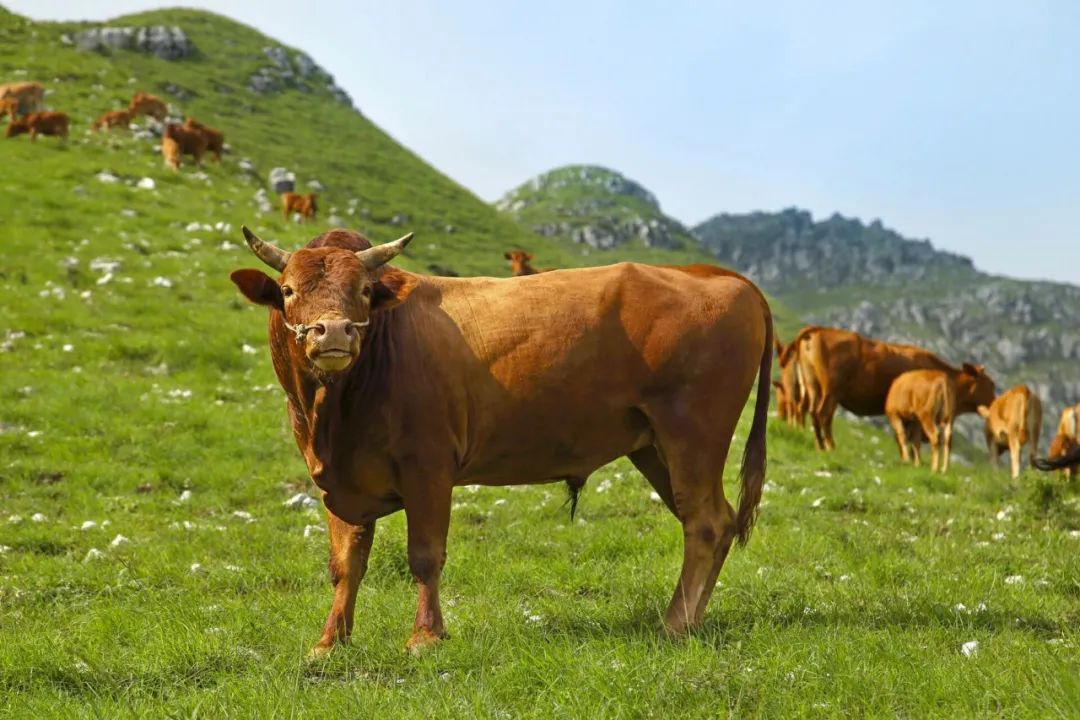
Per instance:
(952,121)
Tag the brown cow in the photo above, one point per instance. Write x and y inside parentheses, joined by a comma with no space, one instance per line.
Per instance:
(9,107)
(39,123)
(303,205)
(146,104)
(28,96)
(215,139)
(791,401)
(840,367)
(178,140)
(402,386)
(1064,445)
(519,263)
(1013,420)
(113,118)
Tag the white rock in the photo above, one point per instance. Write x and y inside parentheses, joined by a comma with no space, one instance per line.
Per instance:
(196,568)
(970,648)
(301,500)
(38,517)
(248,349)
(243,515)
(604,486)
(822,474)
(106,177)
(192,227)
(146,183)
(94,554)
(310,530)
(234,568)
(185,496)
(4,549)
(118,541)
(160,281)
(88,525)
(655,496)
(500,501)
(817,503)
(14,519)
(1014,580)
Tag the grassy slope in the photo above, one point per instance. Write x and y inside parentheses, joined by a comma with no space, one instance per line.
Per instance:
(842,608)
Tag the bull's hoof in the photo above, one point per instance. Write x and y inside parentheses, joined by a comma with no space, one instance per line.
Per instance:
(421,640)
(323,648)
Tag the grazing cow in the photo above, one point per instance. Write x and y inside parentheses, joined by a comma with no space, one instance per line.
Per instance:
(840,367)
(28,96)
(519,263)
(402,386)
(113,118)
(215,139)
(1064,445)
(146,104)
(178,140)
(1013,420)
(791,401)
(39,123)
(303,205)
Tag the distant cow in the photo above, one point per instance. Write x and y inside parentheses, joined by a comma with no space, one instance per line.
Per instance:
(303,205)
(791,401)
(28,96)
(177,141)
(840,367)
(215,139)
(39,123)
(519,263)
(1064,454)
(146,104)
(1013,420)
(401,387)
(9,107)
(113,118)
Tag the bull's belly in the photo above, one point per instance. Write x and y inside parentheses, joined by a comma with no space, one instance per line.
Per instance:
(557,450)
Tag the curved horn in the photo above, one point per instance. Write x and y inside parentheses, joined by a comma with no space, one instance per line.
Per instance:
(376,257)
(272,256)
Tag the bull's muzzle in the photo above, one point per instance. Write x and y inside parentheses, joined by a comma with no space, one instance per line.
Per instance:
(333,343)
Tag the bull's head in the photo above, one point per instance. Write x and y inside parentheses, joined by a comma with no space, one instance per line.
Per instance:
(327,295)
(974,386)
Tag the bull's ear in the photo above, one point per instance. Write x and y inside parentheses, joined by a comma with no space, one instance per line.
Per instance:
(778,385)
(507,255)
(983,411)
(971,369)
(258,287)
(391,289)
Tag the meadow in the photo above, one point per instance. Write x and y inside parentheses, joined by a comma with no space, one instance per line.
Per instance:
(155,562)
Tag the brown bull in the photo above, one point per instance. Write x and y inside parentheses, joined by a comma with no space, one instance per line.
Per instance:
(402,386)
(1064,454)
(302,205)
(146,104)
(177,141)
(843,368)
(40,123)
(791,402)
(1013,420)
(215,139)
(520,263)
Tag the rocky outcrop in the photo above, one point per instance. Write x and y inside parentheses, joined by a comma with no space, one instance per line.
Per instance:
(167,43)
(293,70)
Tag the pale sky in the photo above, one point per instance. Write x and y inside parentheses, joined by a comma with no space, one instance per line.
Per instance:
(953,121)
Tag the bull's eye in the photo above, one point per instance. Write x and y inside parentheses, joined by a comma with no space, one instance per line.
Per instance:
(366,292)
(286,291)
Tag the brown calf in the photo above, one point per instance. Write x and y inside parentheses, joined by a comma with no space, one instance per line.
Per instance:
(40,123)
(303,205)
(1013,420)
(922,403)
(145,104)
(519,263)
(215,139)
(113,118)
(178,140)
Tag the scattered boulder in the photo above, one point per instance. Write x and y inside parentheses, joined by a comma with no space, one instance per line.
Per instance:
(167,43)
(282,181)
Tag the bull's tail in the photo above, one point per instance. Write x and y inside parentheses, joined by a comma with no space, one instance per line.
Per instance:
(1067,460)
(752,472)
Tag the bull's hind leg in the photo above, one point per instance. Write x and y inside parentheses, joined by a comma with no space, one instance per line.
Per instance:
(694,452)
(649,463)
(350,546)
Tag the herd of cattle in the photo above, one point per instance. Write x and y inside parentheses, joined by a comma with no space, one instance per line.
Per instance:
(22,102)
(919,393)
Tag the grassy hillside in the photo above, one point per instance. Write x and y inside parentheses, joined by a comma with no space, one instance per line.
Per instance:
(148,566)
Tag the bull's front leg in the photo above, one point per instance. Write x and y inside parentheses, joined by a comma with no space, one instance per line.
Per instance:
(350,546)
(427,513)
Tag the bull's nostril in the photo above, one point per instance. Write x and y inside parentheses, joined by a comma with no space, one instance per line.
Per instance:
(319,328)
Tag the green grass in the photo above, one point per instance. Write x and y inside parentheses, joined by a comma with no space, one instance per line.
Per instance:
(843,606)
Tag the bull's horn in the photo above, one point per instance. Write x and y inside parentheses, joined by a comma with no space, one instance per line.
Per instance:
(376,257)
(273,256)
